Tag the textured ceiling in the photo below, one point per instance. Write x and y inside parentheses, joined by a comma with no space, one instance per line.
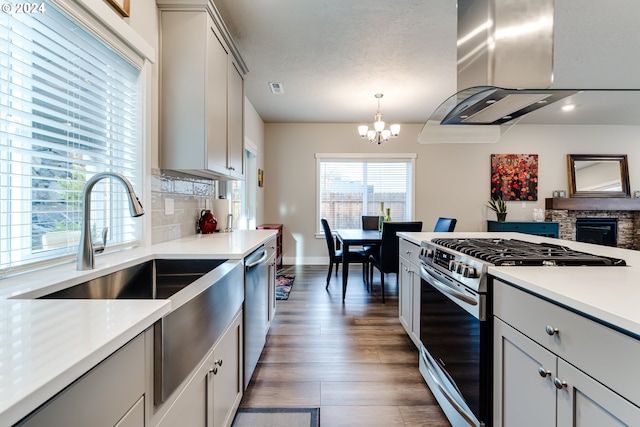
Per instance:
(332,56)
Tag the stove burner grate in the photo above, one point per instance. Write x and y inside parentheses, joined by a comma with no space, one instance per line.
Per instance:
(512,252)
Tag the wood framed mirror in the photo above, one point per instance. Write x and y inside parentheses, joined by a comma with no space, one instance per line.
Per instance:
(595,175)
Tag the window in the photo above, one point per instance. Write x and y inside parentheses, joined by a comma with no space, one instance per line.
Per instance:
(352,185)
(243,195)
(69,109)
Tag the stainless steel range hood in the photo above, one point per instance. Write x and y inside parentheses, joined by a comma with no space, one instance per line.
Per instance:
(490,105)
(506,76)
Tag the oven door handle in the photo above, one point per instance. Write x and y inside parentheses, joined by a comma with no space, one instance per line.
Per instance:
(459,409)
(443,287)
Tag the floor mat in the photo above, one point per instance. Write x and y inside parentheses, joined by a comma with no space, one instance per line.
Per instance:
(284,283)
(277,417)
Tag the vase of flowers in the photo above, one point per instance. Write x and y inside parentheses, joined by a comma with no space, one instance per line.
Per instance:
(499,206)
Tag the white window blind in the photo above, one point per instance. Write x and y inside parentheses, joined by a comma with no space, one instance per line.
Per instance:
(349,187)
(69,109)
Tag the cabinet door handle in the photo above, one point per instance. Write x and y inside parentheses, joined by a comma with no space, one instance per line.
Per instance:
(543,372)
(216,363)
(559,384)
(551,331)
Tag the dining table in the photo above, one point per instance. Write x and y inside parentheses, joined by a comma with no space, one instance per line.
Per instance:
(354,237)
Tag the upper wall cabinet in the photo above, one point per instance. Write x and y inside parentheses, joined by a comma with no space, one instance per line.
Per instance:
(201,91)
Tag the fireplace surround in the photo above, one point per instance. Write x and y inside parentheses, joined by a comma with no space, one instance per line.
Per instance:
(625,211)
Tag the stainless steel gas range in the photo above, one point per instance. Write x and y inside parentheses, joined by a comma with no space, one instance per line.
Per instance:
(455,315)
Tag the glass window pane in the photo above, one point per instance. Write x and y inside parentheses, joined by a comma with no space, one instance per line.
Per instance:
(69,110)
(350,189)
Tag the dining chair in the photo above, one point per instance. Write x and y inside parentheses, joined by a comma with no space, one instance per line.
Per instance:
(386,260)
(445,224)
(336,255)
(370,222)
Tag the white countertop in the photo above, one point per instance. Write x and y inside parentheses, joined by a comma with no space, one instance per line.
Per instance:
(608,294)
(45,345)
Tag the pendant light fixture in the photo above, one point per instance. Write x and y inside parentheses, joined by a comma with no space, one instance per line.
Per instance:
(379,134)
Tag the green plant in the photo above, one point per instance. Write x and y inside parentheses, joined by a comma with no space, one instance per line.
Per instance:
(66,226)
(71,188)
(497,205)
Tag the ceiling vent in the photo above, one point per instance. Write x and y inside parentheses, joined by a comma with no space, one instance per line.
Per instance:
(276,88)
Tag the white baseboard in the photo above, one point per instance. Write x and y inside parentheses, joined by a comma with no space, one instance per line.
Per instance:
(305,261)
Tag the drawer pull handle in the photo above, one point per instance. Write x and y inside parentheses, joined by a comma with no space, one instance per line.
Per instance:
(551,331)
(559,384)
(214,370)
(543,372)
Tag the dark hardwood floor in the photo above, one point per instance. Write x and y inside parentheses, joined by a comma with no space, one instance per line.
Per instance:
(353,360)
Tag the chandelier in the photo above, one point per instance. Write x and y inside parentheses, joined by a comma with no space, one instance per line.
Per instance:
(379,134)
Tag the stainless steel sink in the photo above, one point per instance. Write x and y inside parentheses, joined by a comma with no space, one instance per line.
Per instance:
(156,279)
(205,296)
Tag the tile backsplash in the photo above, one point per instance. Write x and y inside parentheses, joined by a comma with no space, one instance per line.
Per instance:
(189,196)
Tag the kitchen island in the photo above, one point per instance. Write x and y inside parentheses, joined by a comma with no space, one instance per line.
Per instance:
(609,294)
(565,338)
(48,344)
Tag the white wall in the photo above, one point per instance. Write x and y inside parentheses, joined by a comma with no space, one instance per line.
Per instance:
(254,133)
(452,180)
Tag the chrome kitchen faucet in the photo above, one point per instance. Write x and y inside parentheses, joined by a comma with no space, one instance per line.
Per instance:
(86,248)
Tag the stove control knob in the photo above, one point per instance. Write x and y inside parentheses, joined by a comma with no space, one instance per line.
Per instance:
(453,265)
(469,272)
(460,268)
(428,253)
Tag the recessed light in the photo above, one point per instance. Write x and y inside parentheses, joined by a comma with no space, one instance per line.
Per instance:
(568,107)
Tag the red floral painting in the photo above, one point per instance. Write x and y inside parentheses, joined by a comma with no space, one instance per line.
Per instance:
(514,176)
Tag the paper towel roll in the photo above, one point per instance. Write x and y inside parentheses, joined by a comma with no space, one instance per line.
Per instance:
(221,210)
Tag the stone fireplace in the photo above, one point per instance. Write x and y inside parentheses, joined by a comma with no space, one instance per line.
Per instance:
(624,212)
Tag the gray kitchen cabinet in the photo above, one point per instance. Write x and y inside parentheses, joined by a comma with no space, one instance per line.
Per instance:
(110,394)
(211,396)
(202,93)
(135,416)
(584,402)
(554,367)
(235,114)
(190,407)
(522,396)
(225,376)
(409,289)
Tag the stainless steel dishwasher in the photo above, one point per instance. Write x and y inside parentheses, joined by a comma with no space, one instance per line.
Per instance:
(255,308)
